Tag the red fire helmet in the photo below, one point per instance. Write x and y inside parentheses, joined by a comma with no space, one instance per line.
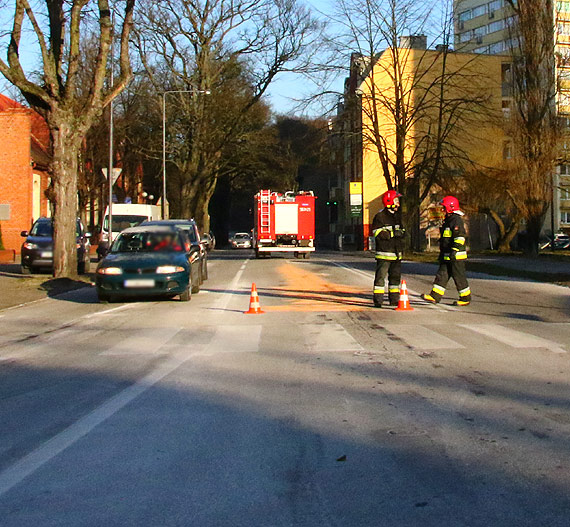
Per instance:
(450,204)
(388,198)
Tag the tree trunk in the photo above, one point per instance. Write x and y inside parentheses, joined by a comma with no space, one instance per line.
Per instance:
(64,169)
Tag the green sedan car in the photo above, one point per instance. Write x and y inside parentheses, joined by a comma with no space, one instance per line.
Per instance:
(149,261)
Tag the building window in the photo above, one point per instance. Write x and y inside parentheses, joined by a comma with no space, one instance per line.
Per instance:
(493,6)
(565,217)
(482,49)
(465,37)
(495,26)
(466,15)
(496,48)
(565,193)
(563,7)
(480,31)
(479,10)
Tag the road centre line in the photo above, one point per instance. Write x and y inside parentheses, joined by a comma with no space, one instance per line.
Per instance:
(16,473)
(226,297)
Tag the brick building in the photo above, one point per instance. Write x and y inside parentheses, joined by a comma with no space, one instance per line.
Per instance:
(24,159)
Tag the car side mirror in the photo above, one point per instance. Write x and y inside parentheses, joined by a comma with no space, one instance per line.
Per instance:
(24,234)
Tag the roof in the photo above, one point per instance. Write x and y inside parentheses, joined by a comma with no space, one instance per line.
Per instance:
(150,228)
(40,132)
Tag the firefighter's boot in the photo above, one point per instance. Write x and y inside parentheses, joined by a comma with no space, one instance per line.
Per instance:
(394,294)
(378,298)
(429,298)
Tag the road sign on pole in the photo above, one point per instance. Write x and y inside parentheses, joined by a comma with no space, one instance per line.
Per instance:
(116,173)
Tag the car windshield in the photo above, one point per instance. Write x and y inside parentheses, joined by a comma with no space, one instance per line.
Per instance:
(45,229)
(123,221)
(42,228)
(189,230)
(128,242)
(241,237)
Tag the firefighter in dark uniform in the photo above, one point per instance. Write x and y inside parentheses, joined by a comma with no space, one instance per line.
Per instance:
(452,255)
(388,232)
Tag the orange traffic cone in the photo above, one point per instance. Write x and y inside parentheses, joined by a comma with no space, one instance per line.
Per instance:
(254,307)
(404,302)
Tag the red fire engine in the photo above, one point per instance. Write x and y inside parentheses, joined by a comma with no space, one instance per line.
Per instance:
(284,223)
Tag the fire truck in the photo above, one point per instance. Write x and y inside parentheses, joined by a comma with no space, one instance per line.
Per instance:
(284,223)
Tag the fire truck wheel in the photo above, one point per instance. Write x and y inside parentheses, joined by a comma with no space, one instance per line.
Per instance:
(306,256)
(296,254)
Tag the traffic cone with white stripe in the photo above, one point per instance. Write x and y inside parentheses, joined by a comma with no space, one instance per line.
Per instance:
(254,307)
(404,302)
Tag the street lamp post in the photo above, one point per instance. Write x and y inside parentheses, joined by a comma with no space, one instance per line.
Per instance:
(164,94)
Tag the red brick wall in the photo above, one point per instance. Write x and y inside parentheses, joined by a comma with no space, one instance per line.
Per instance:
(15,174)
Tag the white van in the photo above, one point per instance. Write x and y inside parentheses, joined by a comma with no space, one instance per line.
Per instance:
(124,215)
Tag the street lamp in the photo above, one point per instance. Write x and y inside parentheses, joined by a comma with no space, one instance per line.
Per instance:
(164,94)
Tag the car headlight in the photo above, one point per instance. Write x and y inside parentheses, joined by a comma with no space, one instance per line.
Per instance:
(110,270)
(169,269)
(29,245)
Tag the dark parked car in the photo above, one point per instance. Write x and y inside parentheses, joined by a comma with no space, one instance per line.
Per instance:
(37,250)
(191,230)
(149,260)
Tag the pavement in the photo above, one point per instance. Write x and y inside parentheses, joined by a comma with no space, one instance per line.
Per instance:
(17,289)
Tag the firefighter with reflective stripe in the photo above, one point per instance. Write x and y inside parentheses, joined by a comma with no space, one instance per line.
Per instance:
(452,255)
(389,234)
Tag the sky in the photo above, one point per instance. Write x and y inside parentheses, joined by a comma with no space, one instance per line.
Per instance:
(281,94)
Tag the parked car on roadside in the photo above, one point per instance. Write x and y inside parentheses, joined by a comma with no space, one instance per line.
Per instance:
(240,240)
(209,240)
(149,261)
(191,229)
(561,241)
(37,249)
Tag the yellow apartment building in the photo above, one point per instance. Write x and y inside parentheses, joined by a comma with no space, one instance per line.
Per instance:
(466,92)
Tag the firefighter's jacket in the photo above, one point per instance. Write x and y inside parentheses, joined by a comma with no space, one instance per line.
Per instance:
(389,234)
(452,241)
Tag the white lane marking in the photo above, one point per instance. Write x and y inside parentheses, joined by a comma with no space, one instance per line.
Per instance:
(329,337)
(235,339)
(513,338)
(26,466)
(420,337)
(111,310)
(226,297)
(146,341)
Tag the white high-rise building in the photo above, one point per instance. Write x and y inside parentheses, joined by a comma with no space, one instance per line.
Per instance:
(483,27)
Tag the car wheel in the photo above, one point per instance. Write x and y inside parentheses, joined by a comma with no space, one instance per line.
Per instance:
(25,270)
(103,297)
(195,287)
(187,294)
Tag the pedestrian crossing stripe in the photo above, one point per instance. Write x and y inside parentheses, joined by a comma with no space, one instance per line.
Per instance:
(512,337)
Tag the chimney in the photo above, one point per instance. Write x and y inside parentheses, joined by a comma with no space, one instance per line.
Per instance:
(413,42)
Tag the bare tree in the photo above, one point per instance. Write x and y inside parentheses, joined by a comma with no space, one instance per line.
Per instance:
(59,95)
(230,50)
(411,106)
(534,129)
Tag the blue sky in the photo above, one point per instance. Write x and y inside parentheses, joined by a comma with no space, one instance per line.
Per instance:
(286,87)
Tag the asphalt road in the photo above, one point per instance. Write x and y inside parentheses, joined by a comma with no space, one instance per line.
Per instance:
(323,411)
